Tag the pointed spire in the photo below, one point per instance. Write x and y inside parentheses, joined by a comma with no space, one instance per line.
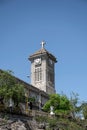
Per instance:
(42,44)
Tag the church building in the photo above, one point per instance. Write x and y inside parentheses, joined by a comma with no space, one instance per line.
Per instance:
(42,77)
(43,70)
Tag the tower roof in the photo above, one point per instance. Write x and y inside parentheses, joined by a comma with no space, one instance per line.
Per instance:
(43,51)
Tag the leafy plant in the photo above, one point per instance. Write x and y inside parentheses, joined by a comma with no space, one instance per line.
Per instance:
(10,88)
(60,103)
(41,119)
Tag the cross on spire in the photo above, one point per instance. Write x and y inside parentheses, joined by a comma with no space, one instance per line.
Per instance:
(42,44)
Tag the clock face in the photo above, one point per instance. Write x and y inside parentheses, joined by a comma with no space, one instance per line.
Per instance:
(37,61)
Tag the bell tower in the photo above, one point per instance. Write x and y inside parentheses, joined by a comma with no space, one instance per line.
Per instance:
(43,70)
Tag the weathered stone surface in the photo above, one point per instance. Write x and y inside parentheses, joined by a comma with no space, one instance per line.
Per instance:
(18,126)
(41,126)
(12,125)
(19,122)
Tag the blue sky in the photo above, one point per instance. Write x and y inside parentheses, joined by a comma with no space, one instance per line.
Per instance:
(62,24)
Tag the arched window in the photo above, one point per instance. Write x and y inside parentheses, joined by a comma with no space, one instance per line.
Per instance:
(38,74)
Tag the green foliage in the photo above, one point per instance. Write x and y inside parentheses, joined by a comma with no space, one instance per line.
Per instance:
(54,100)
(64,103)
(75,109)
(60,103)
(41,119)
(62,113)
(18,93)
(84,109)
(9,88)
(52,122)
(46,107)
(6,80)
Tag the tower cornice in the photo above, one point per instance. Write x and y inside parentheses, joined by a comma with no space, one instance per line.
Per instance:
(43,51)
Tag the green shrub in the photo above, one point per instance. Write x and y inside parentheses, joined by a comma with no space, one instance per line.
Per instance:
(41,119)
(52,123)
